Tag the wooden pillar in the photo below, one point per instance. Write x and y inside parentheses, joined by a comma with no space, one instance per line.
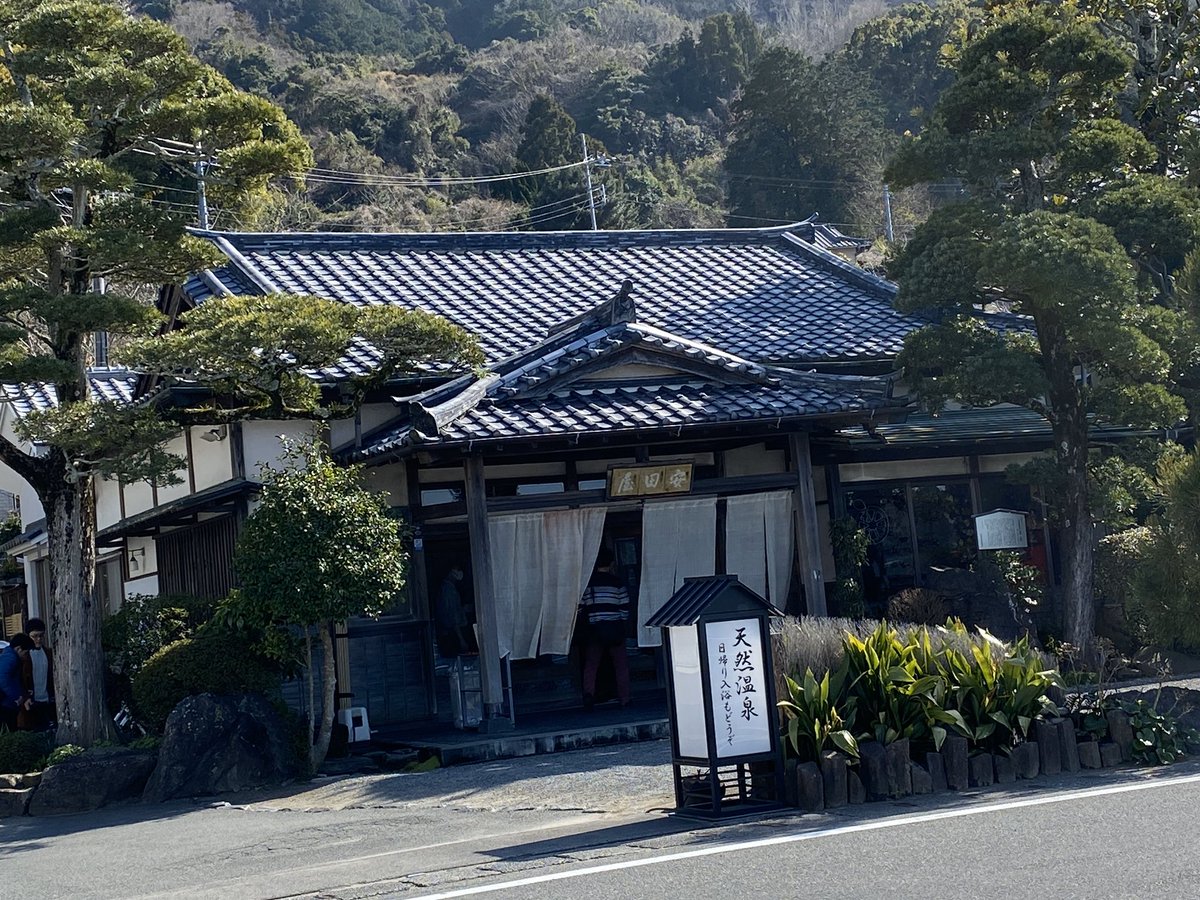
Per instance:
(808,532)
(485,593)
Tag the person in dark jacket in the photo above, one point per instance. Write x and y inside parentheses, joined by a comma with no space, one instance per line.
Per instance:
(605,606)
(14,699)
(38,673)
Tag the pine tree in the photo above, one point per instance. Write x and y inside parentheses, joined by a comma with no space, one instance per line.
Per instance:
(99,114)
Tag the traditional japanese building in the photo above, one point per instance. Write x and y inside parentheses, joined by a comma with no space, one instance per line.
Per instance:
(698,402)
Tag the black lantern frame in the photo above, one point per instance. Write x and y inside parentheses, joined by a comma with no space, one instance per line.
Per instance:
(733,785)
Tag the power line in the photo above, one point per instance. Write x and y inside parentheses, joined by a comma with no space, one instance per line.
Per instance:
(343,176)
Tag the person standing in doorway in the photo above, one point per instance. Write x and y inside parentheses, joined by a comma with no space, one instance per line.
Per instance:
(605,605)
(39,678)
(452,627)
(14,699)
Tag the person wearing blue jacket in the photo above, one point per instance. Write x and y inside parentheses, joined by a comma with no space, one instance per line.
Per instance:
(13,695)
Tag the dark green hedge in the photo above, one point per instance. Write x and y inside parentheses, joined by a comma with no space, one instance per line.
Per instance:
(211,662)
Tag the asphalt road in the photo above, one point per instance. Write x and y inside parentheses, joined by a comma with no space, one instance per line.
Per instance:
(590,824)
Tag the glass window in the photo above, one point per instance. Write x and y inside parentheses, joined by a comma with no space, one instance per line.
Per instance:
(437,495)
(1000,493)
(882,512)
(550,487)
(942,517)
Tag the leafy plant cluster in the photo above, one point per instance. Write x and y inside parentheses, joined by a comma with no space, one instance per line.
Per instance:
(23,751)
(1158,738)
(921,686)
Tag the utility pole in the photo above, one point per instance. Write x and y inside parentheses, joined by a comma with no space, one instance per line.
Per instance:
(887,215)
(587,168)
(201,197)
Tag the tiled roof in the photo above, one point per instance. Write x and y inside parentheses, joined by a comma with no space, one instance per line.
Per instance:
(986,424)
(561,389)
(770,295)
(107,385)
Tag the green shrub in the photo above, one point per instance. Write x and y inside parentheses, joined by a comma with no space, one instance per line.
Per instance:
(63,753)
(995,692)
(145,624)
(813,722)
(1118,558)
(211,662)
(920,606)
(1158,740)
(23,751)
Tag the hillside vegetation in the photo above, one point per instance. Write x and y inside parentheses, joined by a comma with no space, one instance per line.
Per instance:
(705,112)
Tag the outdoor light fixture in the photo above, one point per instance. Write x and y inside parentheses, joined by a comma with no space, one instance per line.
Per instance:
(214,434)
(135,559)
(724,724)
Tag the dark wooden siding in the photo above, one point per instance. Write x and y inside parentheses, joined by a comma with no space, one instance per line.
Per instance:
(389,670)
(198,561)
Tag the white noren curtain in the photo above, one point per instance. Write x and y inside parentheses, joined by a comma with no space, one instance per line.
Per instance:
(679,540)
(541,563)
(758,543)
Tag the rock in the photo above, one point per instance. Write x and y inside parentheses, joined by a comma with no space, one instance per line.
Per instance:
(1110,755)
(899,772)
(1089,755)
(1026,760)
(936,767)
(873,768)
(31,779)
(1121,732)
(10,781)
(1068,745)
(14,801)
(810,787)
(93,779)
(856,792)
(790,795)
(1005,769)
(921,780)
(833,773)
(954,756)
(1049,754)
(228,743)
(980,770)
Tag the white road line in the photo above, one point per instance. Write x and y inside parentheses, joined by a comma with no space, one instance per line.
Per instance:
(716,849)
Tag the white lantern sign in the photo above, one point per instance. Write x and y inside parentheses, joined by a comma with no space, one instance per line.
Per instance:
(738,691)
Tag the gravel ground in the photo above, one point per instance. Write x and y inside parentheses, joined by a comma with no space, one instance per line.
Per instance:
(621,779)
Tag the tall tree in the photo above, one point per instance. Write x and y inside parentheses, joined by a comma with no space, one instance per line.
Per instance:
(1031,127)
(318,549)
(98,111)
(806,139)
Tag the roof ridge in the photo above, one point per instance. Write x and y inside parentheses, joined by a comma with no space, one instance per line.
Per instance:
(464,240)
(835,263)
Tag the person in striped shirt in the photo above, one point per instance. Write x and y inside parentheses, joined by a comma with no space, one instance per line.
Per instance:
(605,605)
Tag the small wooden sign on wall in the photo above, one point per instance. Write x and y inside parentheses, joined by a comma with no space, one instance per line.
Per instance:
(650,481)
(1001,529)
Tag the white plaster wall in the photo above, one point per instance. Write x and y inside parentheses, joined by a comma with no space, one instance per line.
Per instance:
(167,493)
(907,468)
(146,552)
(31,507)
(373,415)
(754,459)
(261,442)
(390,480)
(212,462)
(146,585)
(1001,461)
(108,502)
(139,497)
